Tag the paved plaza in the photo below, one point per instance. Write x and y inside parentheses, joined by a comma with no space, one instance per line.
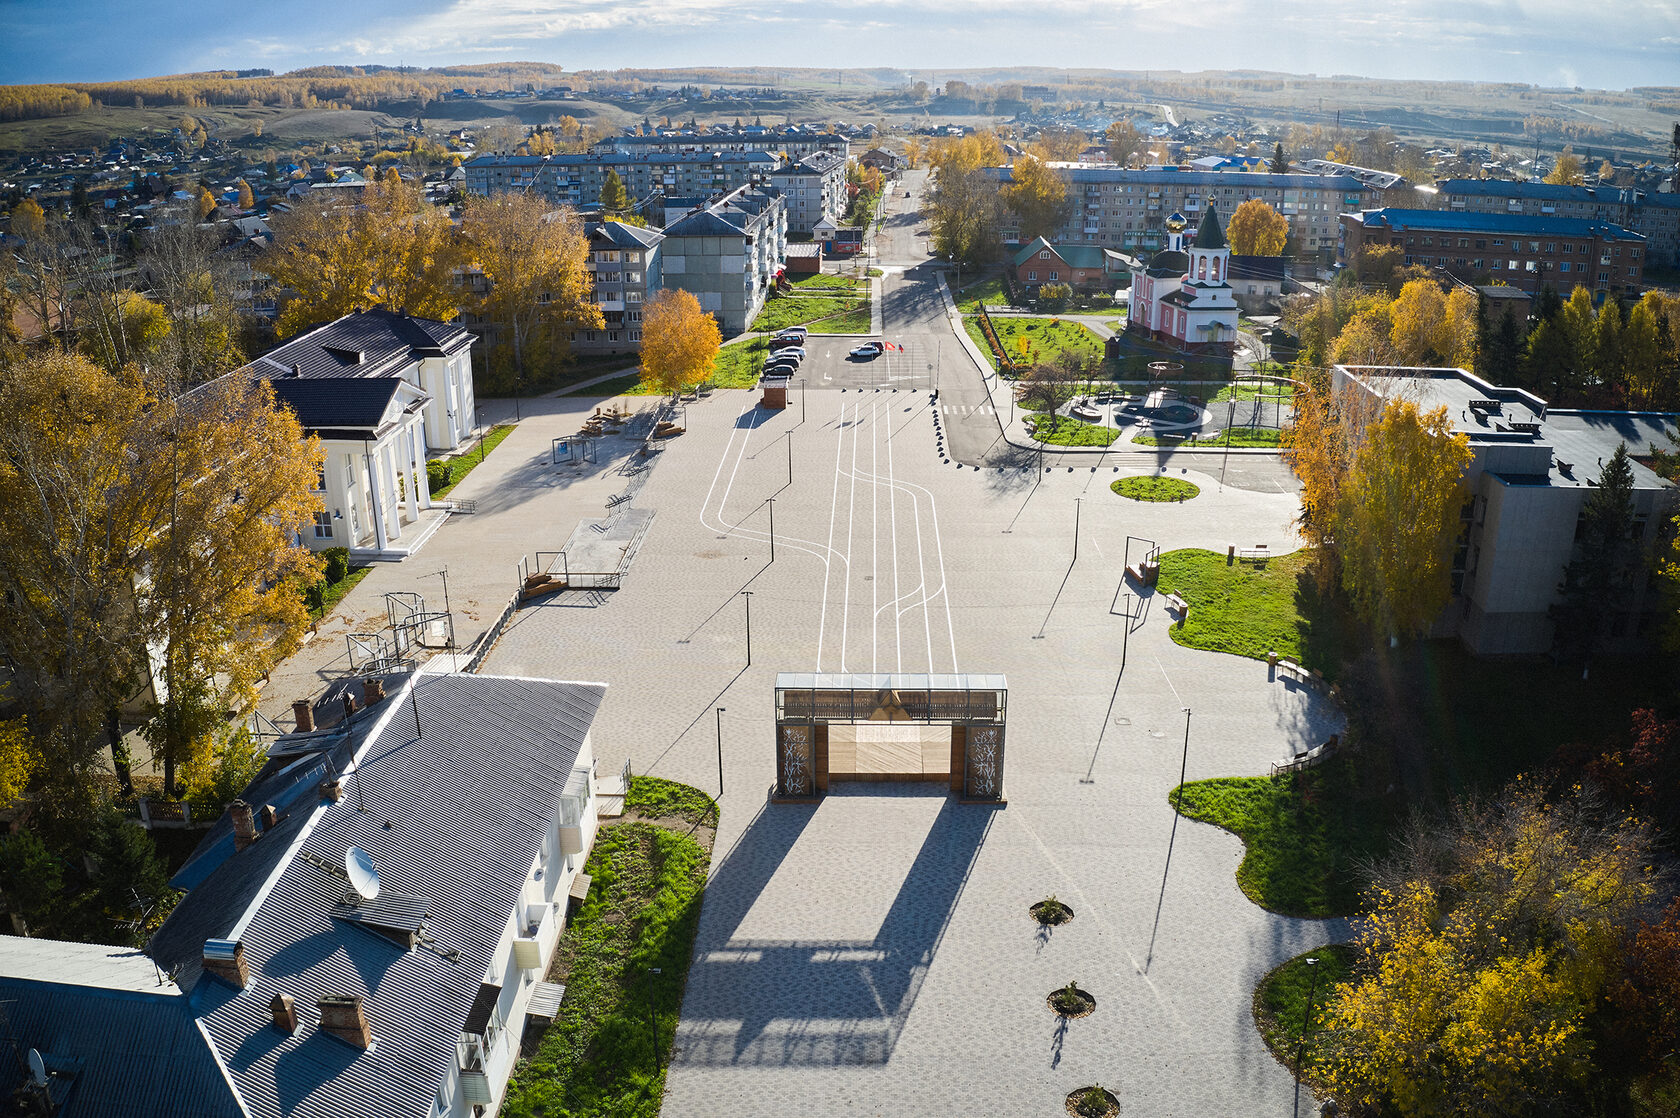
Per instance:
(873,954)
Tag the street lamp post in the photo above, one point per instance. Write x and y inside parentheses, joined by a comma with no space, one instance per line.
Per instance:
(1076,506)
(771,501)
(1184,762)
(1306,1017)
(720,711)
(747,594)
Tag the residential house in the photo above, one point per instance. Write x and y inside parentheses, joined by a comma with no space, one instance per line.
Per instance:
(885,162)
(1524,251)
(815,189)
(473,800)
(1183,298)
(1257,281)
(1087,266)
(729,255)
(1532,471)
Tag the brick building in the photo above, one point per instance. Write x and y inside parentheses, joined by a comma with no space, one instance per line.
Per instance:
(1523,251)
(1075,265)
(1656,216)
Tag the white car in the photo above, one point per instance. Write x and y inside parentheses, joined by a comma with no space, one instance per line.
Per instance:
(869,350)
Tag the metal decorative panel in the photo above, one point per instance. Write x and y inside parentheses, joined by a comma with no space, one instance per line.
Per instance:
(983,768)
(797,764)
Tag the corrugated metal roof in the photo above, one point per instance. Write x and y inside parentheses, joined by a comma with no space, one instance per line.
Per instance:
(1470,221)
(115,1053)
(456,815)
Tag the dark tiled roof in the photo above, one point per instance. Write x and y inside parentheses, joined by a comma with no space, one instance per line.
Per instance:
(1256,268)
(624,235)
(1556,192)
(1210,235)
(455,816)
(386,342)
(713,222)
(126,1054)
(341,403)
(1167,262)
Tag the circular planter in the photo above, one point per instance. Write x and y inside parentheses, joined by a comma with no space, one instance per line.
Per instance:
(1150,487)
(1051,913)
(1092,1102)
(1080,1005)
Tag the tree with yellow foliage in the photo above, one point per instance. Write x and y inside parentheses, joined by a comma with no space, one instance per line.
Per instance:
(1568,170)
(391,250)
(535,260)
(912,152)
(247,198)
(1038,197)
(1255,229)
(1398,517)
(1431,327)
(28,219)
(679,342)
(18,761)
(1368,337)
(206,204)
(1490,943)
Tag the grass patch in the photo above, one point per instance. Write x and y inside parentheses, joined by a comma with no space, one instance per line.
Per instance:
(598,1058)
(1067,431)
(1046,338)
(1249,437)
(335,591)
(1251,391)
(1307,836)
(655,797)
(1151,487)
(989,292)
(737,366)
(1280,1001)
(463,464)
(1250,609)
(829,283)
(630,384)
(778,314)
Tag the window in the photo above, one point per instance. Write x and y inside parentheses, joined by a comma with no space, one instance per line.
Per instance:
(1053,276)
(321,480)
(1515,265)
(1045,255)
(323,526)
(1532,266)
(1032,277)
(1564,267)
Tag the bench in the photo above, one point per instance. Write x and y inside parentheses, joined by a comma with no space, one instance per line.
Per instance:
(1293,670)
(1174,602)
(617,499)
(1258,552)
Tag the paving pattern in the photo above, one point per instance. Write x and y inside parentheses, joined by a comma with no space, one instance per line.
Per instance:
(872,955)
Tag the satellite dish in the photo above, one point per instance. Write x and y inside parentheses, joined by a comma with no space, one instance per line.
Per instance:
(37,1068)
(363,877)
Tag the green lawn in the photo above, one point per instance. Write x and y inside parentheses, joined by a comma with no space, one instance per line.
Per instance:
(1250,437)
(1306,836)
(1280,1001)
(813,311)
(1071,432)
(598,1058)
(1151,487)
(830,284)
(988,291)
(1249,390)
(655,797)
(1244,608)
(336,591)
(737,366)
(463,464)
(1047,338)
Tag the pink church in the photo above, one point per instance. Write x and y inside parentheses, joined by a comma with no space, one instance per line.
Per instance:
(1183,298)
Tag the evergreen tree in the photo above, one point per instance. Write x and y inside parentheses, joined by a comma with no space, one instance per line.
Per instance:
(1604,561)
(1280,162)
(614,198)
(130,876)
(1606,362)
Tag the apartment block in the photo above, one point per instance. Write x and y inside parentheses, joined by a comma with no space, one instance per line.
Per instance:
(1655,216)
(728,255)
(1127,209)
(576,180)
(815,188)
(1522,251)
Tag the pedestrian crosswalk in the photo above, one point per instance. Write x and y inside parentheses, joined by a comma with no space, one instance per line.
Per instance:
(967,409)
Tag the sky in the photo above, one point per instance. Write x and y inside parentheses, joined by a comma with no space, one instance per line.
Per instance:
(1608,44)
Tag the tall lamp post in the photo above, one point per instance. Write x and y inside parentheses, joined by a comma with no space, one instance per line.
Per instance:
(1306,1017)
(747,594)
(1183,763)
(771,501)
(720,711)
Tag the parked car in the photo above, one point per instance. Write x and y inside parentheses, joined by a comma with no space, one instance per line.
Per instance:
(793,332)
(869,350)
(783,341)
(792,351)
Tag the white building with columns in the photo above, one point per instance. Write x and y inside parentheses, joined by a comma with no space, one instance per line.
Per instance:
(383,391)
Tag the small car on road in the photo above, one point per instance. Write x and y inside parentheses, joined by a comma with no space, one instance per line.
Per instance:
(868,351)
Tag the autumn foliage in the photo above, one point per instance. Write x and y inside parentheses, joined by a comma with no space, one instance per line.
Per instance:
(679,342)
(1255,229)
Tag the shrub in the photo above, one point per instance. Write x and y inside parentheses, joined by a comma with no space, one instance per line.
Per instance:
(1102,299)
(338,564)
(1054,296)
(315,596)
(438,473)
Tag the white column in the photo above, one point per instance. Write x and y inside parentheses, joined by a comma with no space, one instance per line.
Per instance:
(378,510)
(393,505)
(417,440)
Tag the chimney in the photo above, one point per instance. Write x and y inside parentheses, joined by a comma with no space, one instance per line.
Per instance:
(268,816)
(373,691)
(349,705)
(305,715)
(332,789)
(285,1013)
(343,1018)
(225,958)
(244,828)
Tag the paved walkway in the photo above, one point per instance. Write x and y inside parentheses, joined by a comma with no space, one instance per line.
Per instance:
(873,955)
